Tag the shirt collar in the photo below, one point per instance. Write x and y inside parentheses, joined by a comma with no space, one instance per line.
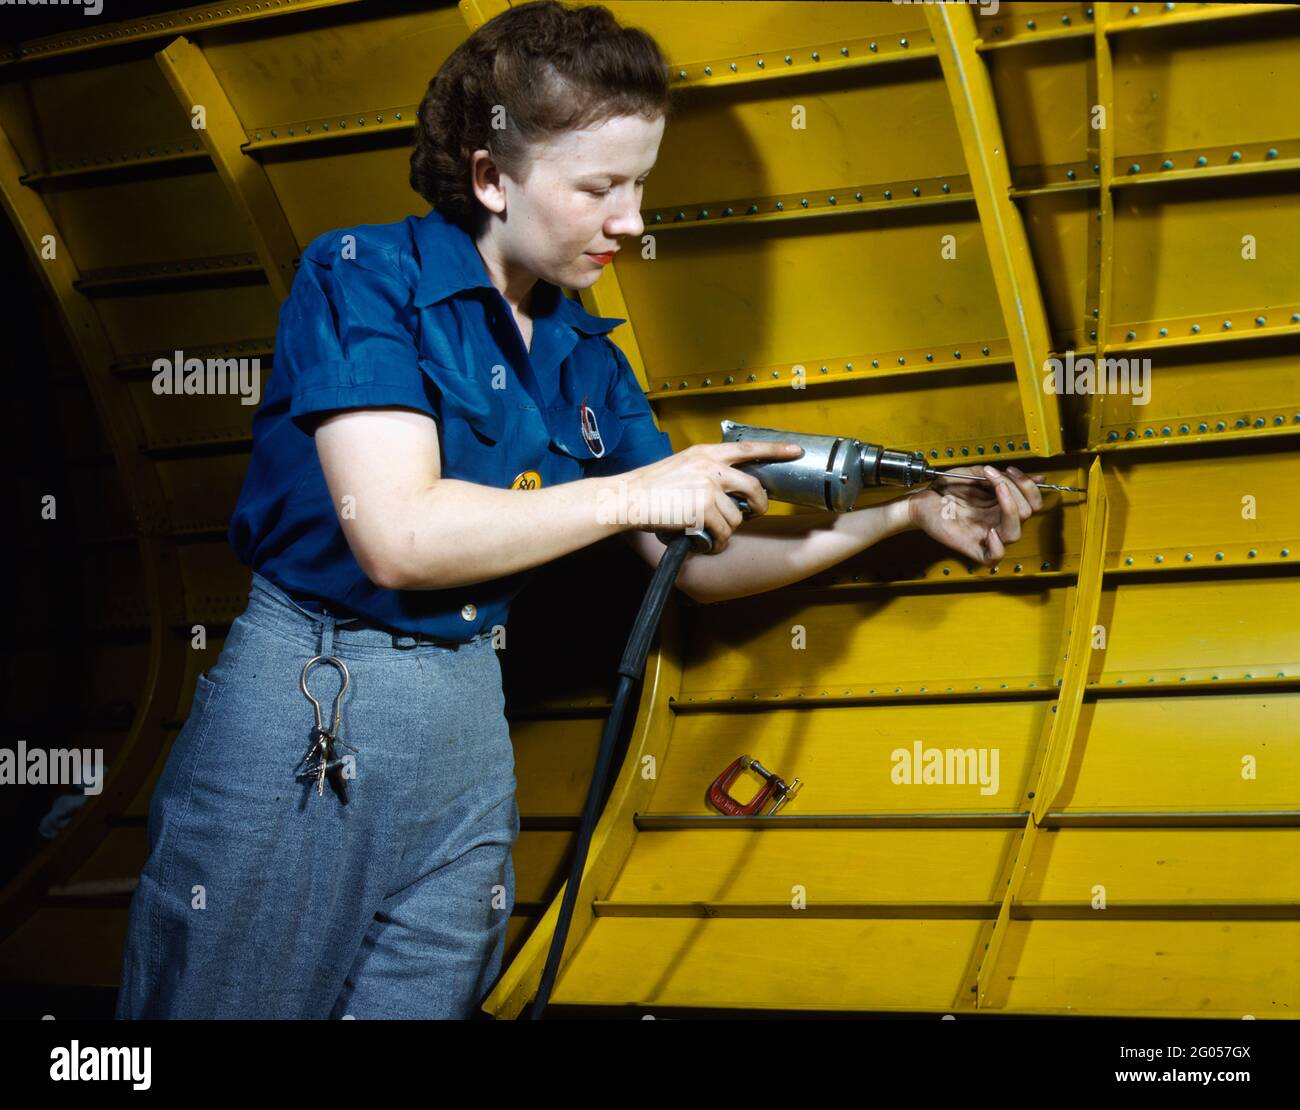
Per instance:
(450,263)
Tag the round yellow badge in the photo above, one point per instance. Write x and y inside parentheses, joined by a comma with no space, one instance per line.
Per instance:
(527,479)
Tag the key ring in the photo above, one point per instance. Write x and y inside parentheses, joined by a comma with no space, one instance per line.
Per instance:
(335,661)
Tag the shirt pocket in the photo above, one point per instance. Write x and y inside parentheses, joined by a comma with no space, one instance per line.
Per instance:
(565,425)
(466,401)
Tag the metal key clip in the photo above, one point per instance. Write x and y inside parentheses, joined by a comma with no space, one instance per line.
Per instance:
(335,661)
(773,787)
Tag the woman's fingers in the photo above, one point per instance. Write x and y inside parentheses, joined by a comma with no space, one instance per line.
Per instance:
(1014,506)
(1025,484)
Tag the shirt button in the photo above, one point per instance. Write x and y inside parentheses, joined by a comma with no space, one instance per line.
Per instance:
(468,612)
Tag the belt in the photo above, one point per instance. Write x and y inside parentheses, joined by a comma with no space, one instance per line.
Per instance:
(400,639)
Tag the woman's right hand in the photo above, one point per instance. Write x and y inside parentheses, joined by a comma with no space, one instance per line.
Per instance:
(689,490)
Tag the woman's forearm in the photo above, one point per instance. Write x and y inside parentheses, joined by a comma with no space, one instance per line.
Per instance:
(771,552)
(457,533)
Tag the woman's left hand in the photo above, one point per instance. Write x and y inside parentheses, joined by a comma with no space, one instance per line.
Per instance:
(975,518)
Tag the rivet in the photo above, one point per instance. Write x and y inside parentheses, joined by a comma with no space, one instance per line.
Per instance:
(1251,553)
(681,73)
(1135,168)
(1240,423)
(902,42)
(816,57)
(1259,422)
(1096,168)
(1235,156)
(776,373)
(760,64)
(708,71)
(956,354)
(848,366)
(753,208)
(753,377)
(1133,10)
(1196,329)
(1201,160)
(733,65)
(916,190)
(1187,558)
(857,196)
(730,379)
(1032,25)
(1272,153)
(1164,331)
(873,48)
(997,30)
(1160,558)
(1132,335)
(1148,433)
(900,360)
(965,450)
(875,362)
(658,218)
(888,195)
(1165,430)
(1045,566)
(1227,324)
(844,50)
(704,214)
(1113,436)
(787,59)
(1220,426)
(708,381)
(1129,561)
(1184,428)
(1259,321)
(1219,555)
(1279,420)
(929,358)
(985,350)
(804,202)
(1285,552)
(1166,165)
(1130,434)
(830,200)
(944,186)
(1065,19)
(728,211)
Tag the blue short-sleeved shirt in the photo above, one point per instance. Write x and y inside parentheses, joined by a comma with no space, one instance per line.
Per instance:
(405,314)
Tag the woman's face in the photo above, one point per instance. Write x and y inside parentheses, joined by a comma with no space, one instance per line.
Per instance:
(581,196)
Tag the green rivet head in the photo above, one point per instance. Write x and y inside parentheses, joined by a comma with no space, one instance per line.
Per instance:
(708,71)
(902,42)
(944,186)
(1202,160)
(929,358)
(1160,558)
(1196,329)
(1272,152)
(900,360)
(1164,331)
(1187,558)
(830,200)
(1259,321)
(1219,556)
(816,57)
(1031,24)
(804,202)
(1070,174)
(1129,561)
(873,48)
(760,63)
(1227,324)
(889,194)
(1135,168)
(857,196)
(956,354)
(1113,436)
(787,59)
(984,350)
(844,50)
(1166,165)
(780,206)
(1236,156)
(875,362)
(1220,426)
(1065,19)
(916,190)
(1131,335)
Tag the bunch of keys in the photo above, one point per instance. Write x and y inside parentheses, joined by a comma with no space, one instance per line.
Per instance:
(323,739)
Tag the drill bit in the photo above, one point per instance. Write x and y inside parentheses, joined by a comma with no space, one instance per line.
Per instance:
(930,472)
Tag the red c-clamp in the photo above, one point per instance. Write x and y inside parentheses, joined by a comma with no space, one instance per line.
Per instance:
(773,787)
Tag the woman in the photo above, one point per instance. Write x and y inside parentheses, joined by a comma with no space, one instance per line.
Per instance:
(427,372)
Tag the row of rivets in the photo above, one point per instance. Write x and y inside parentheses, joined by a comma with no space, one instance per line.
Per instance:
(1218,555)
(848,366)
(1235,156)
(1204,427)
(324,126)
(779,206)
(1195,329)
(111,159)
(761,63)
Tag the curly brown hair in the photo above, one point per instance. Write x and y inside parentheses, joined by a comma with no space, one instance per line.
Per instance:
(552,69)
